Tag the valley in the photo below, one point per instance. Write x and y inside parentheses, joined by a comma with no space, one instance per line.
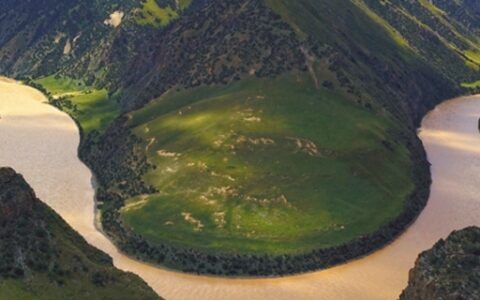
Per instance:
(250,138)
(296,160)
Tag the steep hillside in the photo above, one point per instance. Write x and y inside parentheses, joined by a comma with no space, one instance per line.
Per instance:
(409,50)
(211,43)
(43,258)
(44,36)
(466,12)
(208,42)
(450,270)
(297,116)
(381,49)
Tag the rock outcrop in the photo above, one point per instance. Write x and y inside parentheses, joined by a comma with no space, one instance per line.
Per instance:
(449,271)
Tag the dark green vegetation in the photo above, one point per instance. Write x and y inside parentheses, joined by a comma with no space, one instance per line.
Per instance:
(319,100)
(43,258)
(450,270)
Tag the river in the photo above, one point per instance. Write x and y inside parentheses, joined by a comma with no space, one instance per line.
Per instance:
(41,142)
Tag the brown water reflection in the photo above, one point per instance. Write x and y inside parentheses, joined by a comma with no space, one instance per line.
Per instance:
(41,143)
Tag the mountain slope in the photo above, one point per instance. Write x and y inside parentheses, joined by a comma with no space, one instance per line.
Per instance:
(383,51)
(44,35)
(43,258)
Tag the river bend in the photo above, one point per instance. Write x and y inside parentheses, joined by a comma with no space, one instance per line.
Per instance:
(41,143)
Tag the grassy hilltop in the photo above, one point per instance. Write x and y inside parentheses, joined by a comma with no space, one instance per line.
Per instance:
(266,166)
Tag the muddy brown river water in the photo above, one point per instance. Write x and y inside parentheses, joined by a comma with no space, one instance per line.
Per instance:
(41,143)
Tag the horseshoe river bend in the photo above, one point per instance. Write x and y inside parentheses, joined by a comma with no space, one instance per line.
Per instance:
(41,142)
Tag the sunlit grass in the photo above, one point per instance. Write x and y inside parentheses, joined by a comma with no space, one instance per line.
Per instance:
(154,15)
(394,34)
(473,55)
(266,166)
(473,85)
(94,109)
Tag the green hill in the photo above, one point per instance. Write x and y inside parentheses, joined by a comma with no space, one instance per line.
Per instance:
(244,168)
(44,258)
(253,137)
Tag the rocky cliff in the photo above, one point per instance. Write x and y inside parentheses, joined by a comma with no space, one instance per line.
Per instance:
(449,271)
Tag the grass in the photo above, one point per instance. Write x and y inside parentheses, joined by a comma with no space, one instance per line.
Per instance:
(472,85)
(307,17)
(266,166)
(93,108)
(473,55)
(154,15)
(394,34)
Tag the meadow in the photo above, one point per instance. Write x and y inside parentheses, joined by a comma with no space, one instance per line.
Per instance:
(92,108)
(266,166)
